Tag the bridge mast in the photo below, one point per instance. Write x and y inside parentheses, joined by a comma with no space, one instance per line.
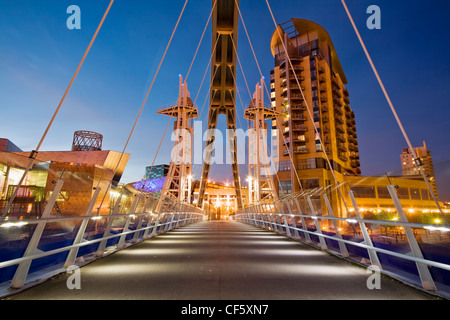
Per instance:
(179,178)
(260,172)
(223,88)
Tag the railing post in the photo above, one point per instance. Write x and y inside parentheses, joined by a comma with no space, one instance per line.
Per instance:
(372,253)
(70,260)
(23,268)
(265,220)
(284,216)
(102,246)
(294,226)
(424,272)
(149,223)
(322,241)
(155,227)
(342,246)
(304,227)
(121,242)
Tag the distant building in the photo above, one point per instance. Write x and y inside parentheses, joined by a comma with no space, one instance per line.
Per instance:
(410,168)
(8,146)
(81,171)
(157,171)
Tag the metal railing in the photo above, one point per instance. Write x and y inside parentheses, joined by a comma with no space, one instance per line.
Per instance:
(299,216)
(92,236)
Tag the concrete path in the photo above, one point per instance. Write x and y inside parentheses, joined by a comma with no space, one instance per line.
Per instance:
(221,261)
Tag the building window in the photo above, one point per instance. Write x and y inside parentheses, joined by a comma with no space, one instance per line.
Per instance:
(284,166)
(304,164)
(415,194)
(285,187)
(425,194)
(364,192)
(310,183)
(383,193)
(403,193)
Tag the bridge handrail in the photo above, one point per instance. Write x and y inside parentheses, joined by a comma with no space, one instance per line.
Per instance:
(266,215)
(12,262)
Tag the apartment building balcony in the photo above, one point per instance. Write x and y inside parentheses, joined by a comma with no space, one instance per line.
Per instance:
(325,129)
(301,150)
(299,117)
(324,109)
(346,100)
(335,82)
(338,110)
(296,96)
(298,107)
(337,101)
(355,163)
(339,128)
(323,99)
(342,157)
(322,79)
(338,119)
(323,89)
(325,119)
(300,128)
(300,139)
(341,138)
(321,70)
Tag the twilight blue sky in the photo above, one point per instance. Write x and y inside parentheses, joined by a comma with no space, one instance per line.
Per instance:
(38,56)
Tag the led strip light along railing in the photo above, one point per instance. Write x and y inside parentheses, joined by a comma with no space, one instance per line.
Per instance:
(265,215)
(164,222)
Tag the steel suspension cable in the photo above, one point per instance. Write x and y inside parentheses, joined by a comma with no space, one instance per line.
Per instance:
(145,100)
(391,105)
(239,61)
(251,97)
(34,153)
(201,39)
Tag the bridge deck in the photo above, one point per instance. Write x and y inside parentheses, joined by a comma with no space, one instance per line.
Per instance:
(221,261)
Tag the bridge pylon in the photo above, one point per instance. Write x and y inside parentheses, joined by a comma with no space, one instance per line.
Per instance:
(225,20)
(260,168)
(178,184)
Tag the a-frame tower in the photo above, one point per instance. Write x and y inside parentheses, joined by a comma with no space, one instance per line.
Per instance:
(223,88)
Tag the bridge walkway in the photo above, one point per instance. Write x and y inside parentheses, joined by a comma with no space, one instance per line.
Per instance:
(220,260)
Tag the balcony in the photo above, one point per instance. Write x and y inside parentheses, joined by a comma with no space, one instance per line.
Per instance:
(342,157)
(337,101)
(338,110)
(321,70)
(339,128)
(300,139)
(355,163)
(338,119)
(298,107)
(322,79)
(296,96)
(340,138)
(301,149)
(301,128)
(299,117)
(324,109)
(325,119)
(323,99)
(341,147)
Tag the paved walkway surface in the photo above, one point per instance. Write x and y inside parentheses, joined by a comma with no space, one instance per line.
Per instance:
(221,260)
